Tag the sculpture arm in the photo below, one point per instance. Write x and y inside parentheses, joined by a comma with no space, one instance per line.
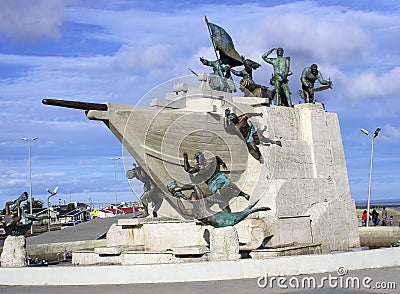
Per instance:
(303,78)
(221,162)
(287,67)
(175,190)
(186,187)
(321,79)
(206,62)
(187,167)
(227,122)
(252,114)
(182,209)
(265,56)
(237,73)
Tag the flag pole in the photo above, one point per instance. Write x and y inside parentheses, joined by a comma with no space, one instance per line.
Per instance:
(212,40)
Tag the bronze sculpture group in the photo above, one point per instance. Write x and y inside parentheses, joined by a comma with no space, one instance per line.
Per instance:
(222,189)
(13,215)
(201,207)
(207,170)
(228,58)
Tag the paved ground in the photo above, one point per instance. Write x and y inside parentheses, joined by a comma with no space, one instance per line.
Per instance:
(91,230)
(386,277)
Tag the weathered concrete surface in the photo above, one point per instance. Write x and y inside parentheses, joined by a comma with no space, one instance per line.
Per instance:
(157,234)
(120,255)
(224,244)
(200,271)
(56,251)
(375,237)
(304,181)
(52,245)
(14,252)
(385,274)
(294,249)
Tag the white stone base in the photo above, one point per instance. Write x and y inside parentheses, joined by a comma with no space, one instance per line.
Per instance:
(224,244)
(200,271)
(14,252)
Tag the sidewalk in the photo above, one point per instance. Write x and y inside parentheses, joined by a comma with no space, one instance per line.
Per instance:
(382,275)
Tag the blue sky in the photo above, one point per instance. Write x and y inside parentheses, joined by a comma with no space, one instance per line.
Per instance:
(116,51)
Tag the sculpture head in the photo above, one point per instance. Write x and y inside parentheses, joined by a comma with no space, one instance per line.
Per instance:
(130,174)
(199,156)
(314,69)
(233,118)
(279,52)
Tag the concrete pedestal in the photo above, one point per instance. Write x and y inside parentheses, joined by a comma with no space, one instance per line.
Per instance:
(14,252)
(224,244)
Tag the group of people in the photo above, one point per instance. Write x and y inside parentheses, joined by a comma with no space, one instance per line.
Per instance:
(374,216)
(221,78)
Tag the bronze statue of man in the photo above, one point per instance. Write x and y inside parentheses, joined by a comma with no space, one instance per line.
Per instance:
(221,78)
(209,172)
(201,210)
(151,192)
(246,128)
(280,77)
(308,78)
(247,74)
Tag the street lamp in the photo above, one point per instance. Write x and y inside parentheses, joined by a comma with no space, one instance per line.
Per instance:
(115,180)
(30,174)
(376,133)
(52,193)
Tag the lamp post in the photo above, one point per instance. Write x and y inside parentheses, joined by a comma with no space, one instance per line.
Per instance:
(52,193)
(30,174)
(115,180)
(376,133)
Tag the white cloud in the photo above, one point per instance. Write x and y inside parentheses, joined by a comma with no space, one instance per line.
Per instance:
(371,85)
(390,133)
(27,20)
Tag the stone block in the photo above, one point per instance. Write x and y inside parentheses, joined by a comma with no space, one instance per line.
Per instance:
(190,250)
(162,236)
(119,236)
(134,222)
(14,252)
(108,250)
(224,244)
(147,257)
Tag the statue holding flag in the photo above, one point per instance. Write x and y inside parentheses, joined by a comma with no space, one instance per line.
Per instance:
(227,57)
(221,78)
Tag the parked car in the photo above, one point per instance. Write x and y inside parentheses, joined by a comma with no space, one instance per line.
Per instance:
(70,224)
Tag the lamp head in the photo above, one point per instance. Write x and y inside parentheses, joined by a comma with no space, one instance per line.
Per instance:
(377,131)
(52,193)
(365,131)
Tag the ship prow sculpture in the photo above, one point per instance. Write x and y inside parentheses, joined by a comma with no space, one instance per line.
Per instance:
(234,150)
